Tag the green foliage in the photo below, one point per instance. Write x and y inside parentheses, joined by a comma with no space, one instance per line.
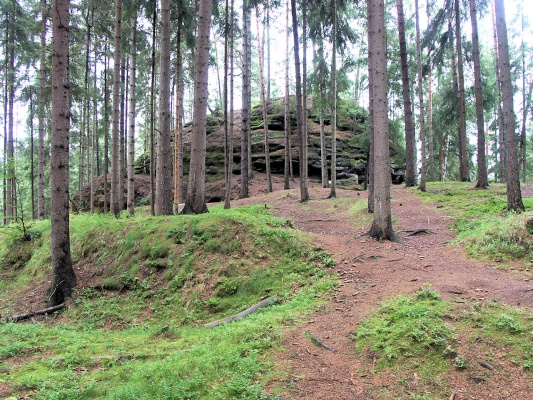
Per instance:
(136,331)
(427,336)
(480,217)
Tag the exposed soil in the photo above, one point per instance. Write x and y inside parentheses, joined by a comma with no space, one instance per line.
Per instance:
(372,272)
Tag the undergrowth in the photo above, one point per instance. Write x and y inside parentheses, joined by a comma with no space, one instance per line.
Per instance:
(426,337)
(483,225)
(146,286)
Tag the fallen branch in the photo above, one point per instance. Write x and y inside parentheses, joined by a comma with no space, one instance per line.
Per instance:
(319,343)
(264,303)
(485,364)
(418,231)
(21,317)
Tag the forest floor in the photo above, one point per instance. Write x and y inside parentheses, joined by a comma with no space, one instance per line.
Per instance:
(372,272)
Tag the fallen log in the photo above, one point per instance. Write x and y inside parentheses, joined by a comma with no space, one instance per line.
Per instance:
(264,303)
(418,231)
(22,317)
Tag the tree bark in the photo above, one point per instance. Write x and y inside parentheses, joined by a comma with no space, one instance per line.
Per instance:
(264,104)
(304,191)
(482,175)
(63,276)
(245,111)
(287,166)
(41,112)
(381,228)
(132,114)
(115,166)
(514,195)
(369,172)
(500,140)
(195,202)
(163,190)
(464,172)
(410,140)
(422,185)
(333,188)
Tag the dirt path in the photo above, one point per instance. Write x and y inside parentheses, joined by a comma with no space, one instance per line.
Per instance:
(372,272)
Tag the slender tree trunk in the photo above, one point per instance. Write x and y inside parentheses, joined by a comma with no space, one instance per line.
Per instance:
(152,116)
(287,167)
(195,202)
(514,196)
(94,136)
(115,167)
(178,139)
(268,5)
(63,276)
(41,112)
(304,167)
(227,160)
(500,140)
(264,106)
(482,175)
(10,204)
(526,101)
(163,190)
(430,126)
(464,172)
(382,223)
(369,178)
(32,155)
(122,130)
(422,185)
(84,131)
(106,131)
(231,43)
(333,192)
(245,111)
(132,115)
(410,140)
(323,155)
(304,191)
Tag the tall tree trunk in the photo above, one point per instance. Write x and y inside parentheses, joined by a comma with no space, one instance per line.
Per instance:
(195,202)
(41,112)
(163,190)
(369,172)
(264,105)
(11,201)
(464,173)
(32,155)
(304,168)
(94,136)
(84,131)
(115,166)
(287,166)
(422,185)
(229,170)
(304,190)
(178,137)
(106,131)
(514,196)
(245,111)
(152,115)
(268,81)
(482,175)
(410,140)
(323,155)
(333,191)
(382,223)
(430,125)
(227,142)
(122,130)
(500,140)
(63,276)
(526,102)
(132,114)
